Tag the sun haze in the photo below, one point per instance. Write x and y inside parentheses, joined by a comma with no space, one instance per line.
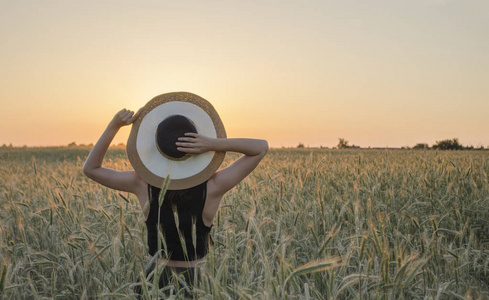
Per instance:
(378,73)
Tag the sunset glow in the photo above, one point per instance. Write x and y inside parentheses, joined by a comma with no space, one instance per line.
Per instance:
(378,73)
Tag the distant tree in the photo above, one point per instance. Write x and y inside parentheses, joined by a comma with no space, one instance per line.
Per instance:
(72,144)
(119,146)
(301,145)
(452,144)
(343,144)
(420,146)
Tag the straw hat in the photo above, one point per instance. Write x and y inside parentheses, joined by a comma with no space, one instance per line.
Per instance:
(151,145)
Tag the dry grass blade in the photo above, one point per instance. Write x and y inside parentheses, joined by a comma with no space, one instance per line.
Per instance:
(164,187)
(414,272)
(353,279)
(315,266)
(3,278)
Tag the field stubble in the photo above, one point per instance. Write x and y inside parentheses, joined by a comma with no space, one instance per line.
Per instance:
(307,224)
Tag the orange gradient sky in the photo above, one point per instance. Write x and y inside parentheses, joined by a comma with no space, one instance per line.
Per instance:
(377,73)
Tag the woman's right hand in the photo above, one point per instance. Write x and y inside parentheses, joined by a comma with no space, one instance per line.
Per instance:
(124,117)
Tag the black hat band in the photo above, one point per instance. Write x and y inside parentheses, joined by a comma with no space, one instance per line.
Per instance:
(167,134)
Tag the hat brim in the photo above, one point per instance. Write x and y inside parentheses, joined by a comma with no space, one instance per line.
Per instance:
(147,160)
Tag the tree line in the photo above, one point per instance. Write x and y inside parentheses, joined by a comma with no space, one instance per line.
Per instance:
(448,144)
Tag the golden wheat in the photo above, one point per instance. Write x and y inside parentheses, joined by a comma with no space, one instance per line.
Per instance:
(307,224)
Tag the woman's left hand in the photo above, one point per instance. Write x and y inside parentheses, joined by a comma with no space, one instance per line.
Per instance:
(194,143)
(124,117)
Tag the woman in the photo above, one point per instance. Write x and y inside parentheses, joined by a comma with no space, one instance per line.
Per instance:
(189,204)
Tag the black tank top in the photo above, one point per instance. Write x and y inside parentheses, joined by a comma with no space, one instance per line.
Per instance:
(188,205)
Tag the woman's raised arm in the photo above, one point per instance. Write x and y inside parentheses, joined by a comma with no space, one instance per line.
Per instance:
(127,181)
(253,149)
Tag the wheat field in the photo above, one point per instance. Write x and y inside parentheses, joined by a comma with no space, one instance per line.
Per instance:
(306,224)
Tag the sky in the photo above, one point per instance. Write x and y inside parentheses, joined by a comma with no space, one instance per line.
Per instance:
(376,73)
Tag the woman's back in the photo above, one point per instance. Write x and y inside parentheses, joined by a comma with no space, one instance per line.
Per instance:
(180,209)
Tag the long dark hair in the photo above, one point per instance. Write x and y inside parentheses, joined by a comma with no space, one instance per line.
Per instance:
(180,198)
